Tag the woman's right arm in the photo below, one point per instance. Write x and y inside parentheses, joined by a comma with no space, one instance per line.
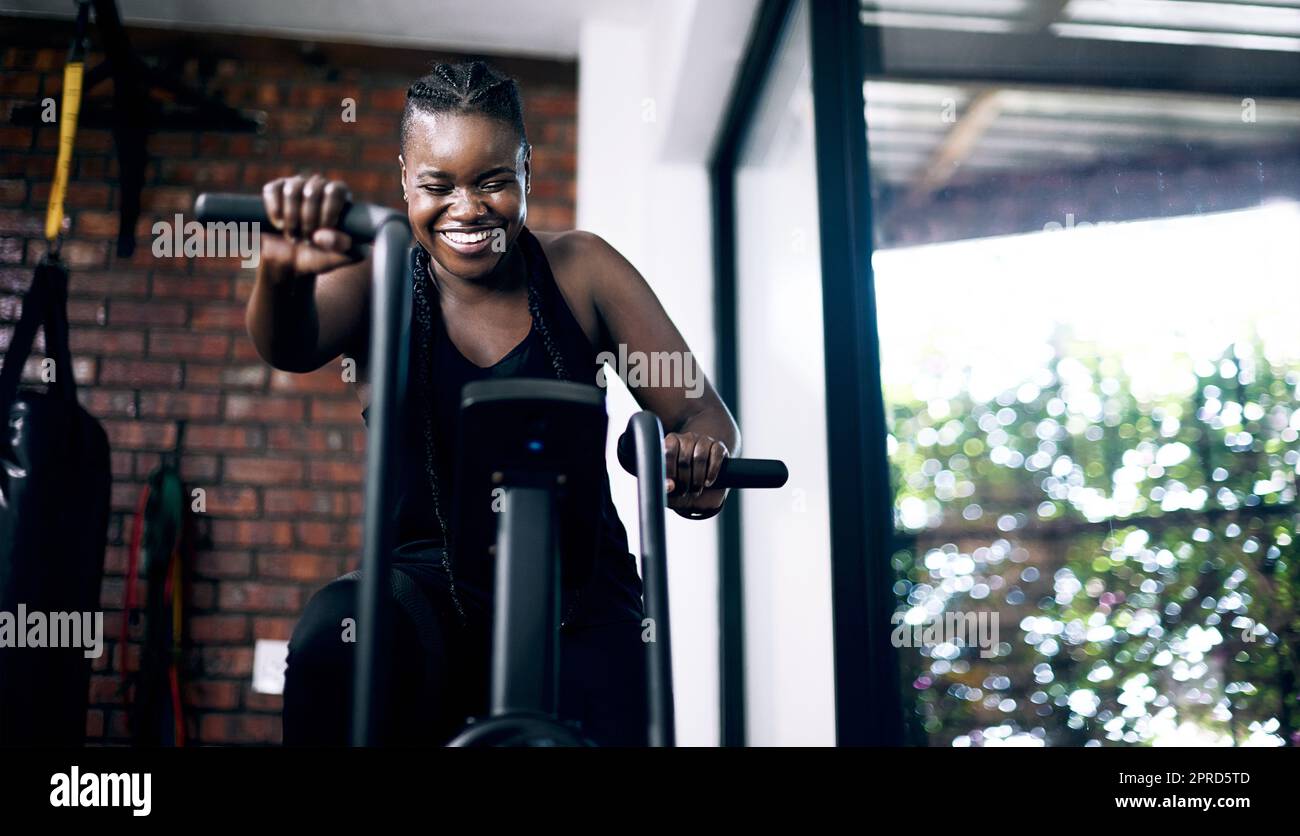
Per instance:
(311,299)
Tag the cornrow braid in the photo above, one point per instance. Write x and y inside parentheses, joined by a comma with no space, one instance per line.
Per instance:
(471,87)
(424,316)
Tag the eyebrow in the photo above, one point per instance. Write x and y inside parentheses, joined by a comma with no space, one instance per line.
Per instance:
(439,174)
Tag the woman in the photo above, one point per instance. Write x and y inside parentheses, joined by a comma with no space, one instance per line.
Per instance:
(492,299)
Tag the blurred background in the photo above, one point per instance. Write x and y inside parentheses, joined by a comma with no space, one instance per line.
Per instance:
(1079,254)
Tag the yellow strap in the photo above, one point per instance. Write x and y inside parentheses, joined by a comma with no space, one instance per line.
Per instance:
(67,135)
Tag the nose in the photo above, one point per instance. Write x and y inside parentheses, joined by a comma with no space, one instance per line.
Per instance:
(465,207)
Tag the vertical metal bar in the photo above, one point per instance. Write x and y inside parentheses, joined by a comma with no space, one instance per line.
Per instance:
(867,701)
(648,436)
(525,647)
(390,316)
(764,39)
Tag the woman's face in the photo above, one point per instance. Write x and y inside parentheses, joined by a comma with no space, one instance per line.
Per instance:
(466,179)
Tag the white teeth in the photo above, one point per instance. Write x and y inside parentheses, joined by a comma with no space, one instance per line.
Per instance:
(468,237)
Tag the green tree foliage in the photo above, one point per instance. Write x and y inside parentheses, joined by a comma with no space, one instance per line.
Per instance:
(1139,553)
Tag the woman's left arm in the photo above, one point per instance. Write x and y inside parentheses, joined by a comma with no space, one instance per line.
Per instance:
(701,431)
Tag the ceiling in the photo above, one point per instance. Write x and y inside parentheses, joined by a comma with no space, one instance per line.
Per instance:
(1025,129)
(518,27)
(1236,24)
(964,88)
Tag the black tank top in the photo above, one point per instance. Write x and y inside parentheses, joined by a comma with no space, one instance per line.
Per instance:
(614,593)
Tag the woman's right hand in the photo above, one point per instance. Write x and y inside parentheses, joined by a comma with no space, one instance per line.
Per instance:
(306,209)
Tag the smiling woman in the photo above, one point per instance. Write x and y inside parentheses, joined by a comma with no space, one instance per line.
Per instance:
(491,300)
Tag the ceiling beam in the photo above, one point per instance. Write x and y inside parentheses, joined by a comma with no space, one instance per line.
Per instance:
(1043,58)
(965,134)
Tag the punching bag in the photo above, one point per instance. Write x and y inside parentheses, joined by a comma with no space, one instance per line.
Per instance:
(54,502)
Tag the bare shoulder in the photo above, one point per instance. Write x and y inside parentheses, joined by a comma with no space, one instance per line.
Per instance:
(583,259)
(579,262)
(573,247)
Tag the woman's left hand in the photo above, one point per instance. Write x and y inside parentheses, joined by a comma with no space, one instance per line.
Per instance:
(691,463)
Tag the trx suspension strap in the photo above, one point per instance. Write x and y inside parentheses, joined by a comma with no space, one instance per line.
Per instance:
(72,76)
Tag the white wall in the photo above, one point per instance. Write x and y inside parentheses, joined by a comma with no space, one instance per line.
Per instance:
(650,99)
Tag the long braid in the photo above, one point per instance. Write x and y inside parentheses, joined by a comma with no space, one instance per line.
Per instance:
(423,310)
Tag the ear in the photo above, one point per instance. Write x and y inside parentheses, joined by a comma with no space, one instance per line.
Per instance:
(402,164)
(528,169)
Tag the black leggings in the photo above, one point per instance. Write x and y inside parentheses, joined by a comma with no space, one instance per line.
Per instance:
(602,669)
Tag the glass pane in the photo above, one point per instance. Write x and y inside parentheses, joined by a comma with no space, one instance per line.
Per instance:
(1087,304)
(786,536)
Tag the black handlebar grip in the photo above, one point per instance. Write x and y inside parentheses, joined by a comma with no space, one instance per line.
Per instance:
(360,220)
(735,473)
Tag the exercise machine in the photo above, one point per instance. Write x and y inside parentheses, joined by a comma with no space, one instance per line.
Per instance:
(532,448)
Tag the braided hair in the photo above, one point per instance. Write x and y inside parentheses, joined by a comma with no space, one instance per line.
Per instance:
(461,88)
(471,87)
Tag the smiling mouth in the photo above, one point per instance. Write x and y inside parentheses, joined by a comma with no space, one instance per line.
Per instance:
(470,242)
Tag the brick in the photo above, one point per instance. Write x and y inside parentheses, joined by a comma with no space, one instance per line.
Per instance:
(213,174)
(107,342)
(179,405)
(264,408)
(226,661)
(105,690)
(199,469)
(251,533)
(191,287)
(298,566)
(11,250)
(223,437)
(105,403)
(80,195)
(214,693)
(139,373)
(294,502)
(228,501)
(203,594)
(16,138)
(264,471)
(223,564)
(276,628)
(318,149)
(259,596)
(171,145)
(335,472)
(140,435)
(217,316)
(94,724)
(116,284)
(324,535)
(13,192)
(27,222)
(146,313)
(307,439)
(82,312)
(239,728)
(189,345)
(332,411)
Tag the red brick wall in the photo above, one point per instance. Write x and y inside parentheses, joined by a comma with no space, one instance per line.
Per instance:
(156,340)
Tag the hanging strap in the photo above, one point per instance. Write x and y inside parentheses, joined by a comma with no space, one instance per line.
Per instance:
(72,76)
